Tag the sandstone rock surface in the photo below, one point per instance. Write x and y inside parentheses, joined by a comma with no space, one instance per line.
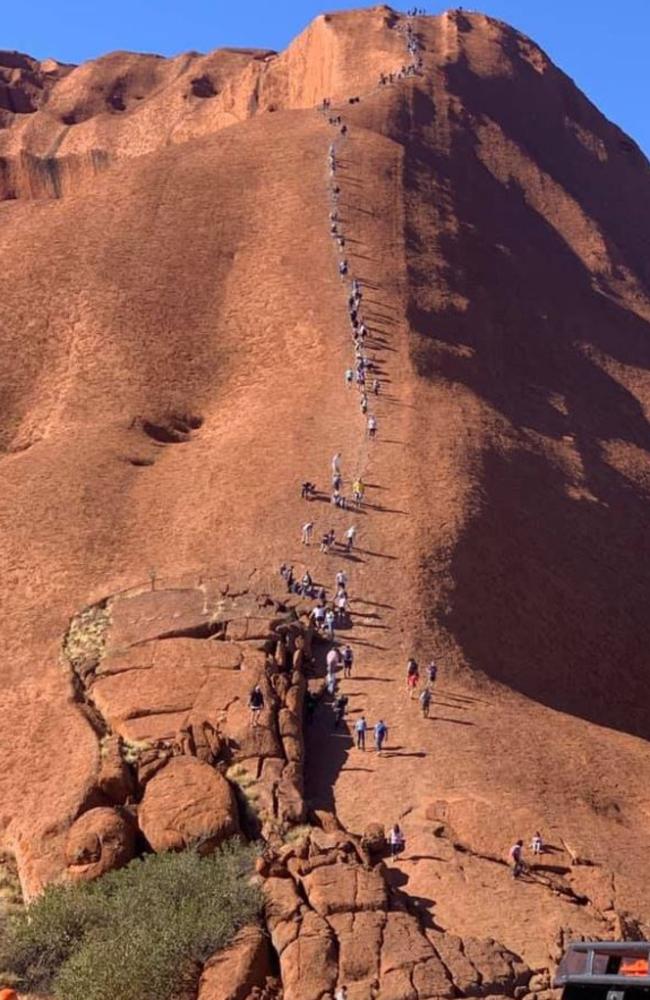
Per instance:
(188,803)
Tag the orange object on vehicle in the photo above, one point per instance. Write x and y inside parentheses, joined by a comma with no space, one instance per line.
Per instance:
(628,967)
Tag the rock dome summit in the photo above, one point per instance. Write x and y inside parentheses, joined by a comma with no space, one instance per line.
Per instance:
(195,252)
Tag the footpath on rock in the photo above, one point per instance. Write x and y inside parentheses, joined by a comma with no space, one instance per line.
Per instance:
(411,229)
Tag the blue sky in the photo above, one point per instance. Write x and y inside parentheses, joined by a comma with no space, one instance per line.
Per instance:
(602,44)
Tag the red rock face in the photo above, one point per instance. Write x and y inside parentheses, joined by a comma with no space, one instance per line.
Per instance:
(175,336)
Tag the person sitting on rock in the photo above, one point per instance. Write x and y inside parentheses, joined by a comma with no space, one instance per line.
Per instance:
(256,704)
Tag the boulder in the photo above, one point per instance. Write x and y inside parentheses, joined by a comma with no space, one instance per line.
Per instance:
(374,839)
(231,974)
(99,841)
(188,802)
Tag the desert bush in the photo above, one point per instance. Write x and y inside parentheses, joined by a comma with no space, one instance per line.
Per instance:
(140,933)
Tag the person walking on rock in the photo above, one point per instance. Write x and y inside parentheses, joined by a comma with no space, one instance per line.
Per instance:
(425,702)
(330,618)
(360,728)
(256,704)
(340,705)
(536,844)
(348,660)
(350,535)
(397,841)
(432,673)
(372,425)
(333,660)
(349,377)
(412,681)
(341,579)
(516,855)
(381,732)
(307,531)
(336,464)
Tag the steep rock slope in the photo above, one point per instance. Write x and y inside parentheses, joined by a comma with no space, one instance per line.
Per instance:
(178,335)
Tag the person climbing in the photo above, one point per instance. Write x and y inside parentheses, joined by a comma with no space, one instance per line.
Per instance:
(536,844)
(336,464)
(375,386)
(381,732)
(425,702)
(317,615)
(397,841)
(330,619)
(340,705)
(360,728)
(432,673)
(363,402)
(256,704)
(325,543)
(290,579)
(307,583)
(343,268)
(412,681)
(372,426)
(412,666)
(331,538)
(349,377)
(341,607)
(350,535)
(348,659)
(337,481)
(333,660)
(330,681)
(344,130)
(341,579)
(307,531)
(516,857)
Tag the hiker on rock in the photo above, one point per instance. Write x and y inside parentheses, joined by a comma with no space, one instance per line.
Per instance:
(330,681)
(343,268)
(425,702)
(372,426)
(256,704)
(412,681)
(516,856)
(307,532)
(341,603)
(381,732)
(307,583)
(396,840)
(340,705)
(432,673)
(333,660)
(336,464)
(341,579)
(317,615)
(307,490)
(350,535)
(360,728)
(537,844)
(349,377)
(330,619)
(348,658)
(363,402)
(375,386)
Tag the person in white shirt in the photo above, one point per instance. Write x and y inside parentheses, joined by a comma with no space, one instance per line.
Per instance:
(307,531)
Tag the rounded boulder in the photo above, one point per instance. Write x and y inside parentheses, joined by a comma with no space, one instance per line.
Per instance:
(188,803)
(99,841)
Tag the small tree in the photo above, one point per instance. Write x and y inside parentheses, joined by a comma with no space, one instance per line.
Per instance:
(139,933)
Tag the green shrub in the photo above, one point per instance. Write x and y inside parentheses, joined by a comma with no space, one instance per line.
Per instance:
(140,933)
